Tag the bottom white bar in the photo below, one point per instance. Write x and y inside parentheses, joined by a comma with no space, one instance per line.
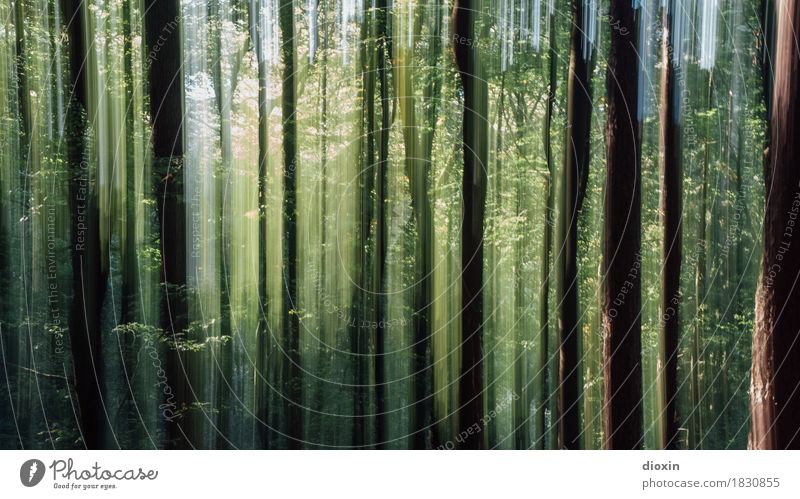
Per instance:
(409,474)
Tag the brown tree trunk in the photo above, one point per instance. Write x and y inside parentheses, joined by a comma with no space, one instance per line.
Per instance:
(774,393)
(670,216)
(162,21)
(381,232)
(622,240)
(89,274)
(573,188)
(541,381)
(474,128)
(291,379)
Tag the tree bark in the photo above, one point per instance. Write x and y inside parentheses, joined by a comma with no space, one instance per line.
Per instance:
(573,188)
(166,103)
(89,273)
(622,240)
(541,377)
(291,327)
(417,164)
(261,434)
(670,214)
(474,129)
(381,244)
(163,34)
(774,394)
(362,294)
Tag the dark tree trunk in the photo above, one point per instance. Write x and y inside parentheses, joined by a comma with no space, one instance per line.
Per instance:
(573,189)
(291,326)
(163,34)
(130,265)
(622,240)
(362,299)
(671,216)
(547,243)
(262,340)
(382,249)
(474,129)
(90,274)
(774,394)
(22,73)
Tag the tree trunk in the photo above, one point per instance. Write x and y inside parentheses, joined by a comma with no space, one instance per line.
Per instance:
(162,22)
(89,274)
(381,244)
(474,129)
(417,155)
(291,326)
(573,188)
(622,241)
(541,382)
(774,396)
(670,214)
(362,299)
(261,398)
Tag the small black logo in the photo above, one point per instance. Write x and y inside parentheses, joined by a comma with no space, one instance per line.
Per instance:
(31,472)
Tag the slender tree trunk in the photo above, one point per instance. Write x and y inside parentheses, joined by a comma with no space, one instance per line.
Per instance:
(324,361)
(474,129)
(774,394)
(162,21)
(291,327)
(670,214)
(622,240)
(22,73)
(129,309)
(225,89)
(573,188)
(366,181)
(260,396)
(542,374)
(381,244)
(521,412)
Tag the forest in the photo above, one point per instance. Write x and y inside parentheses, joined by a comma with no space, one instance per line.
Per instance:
(399,224)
